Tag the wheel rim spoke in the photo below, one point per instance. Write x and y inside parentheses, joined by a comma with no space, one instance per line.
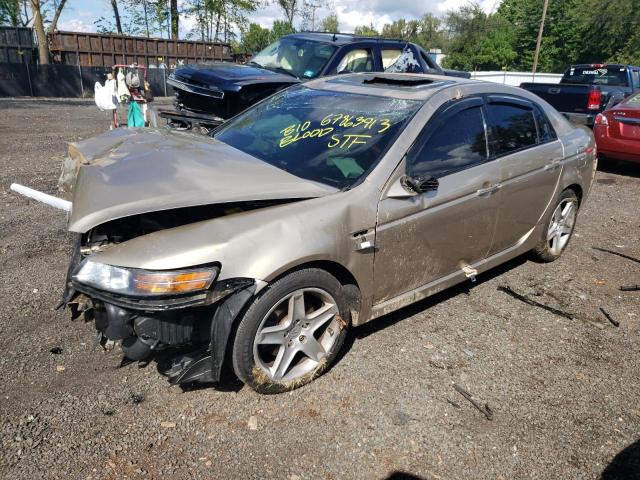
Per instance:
(555,245)
(565,230)
(313,349)
(322,316)
(282,362)
(567,209)
(272,335)
(297,309)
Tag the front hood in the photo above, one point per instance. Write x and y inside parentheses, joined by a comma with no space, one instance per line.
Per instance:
(132,171)
(229,76)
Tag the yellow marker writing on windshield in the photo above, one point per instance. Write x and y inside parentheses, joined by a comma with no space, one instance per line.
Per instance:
(347,141)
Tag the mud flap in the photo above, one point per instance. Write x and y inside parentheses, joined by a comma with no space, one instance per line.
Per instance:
(222,324)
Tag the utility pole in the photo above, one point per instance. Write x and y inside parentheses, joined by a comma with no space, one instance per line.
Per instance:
(539,41)
(313,7)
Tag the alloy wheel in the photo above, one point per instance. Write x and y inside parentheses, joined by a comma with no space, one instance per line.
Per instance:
(561,225)
(297,334)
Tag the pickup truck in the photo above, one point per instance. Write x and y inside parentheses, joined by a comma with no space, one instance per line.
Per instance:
(586,90)
(208,94)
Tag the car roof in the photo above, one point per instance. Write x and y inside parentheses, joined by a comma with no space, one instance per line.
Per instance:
(593,65)
(409,86)
(341,38)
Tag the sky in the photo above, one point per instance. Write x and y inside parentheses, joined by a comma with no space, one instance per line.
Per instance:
(79,15)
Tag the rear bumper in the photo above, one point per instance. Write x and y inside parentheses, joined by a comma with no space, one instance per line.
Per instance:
(587,119)
(616,148)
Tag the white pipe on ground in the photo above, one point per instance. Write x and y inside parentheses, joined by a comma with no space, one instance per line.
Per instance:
(41,197)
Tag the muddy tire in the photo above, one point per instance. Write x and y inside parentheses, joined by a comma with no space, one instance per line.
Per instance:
(559,228)
(291,332)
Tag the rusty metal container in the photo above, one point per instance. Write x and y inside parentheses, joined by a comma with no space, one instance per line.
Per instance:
(100,50)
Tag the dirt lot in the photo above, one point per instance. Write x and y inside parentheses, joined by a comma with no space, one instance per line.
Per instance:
(564,392)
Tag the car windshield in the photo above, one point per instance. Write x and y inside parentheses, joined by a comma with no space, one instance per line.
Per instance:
(301,58)
(333,138)
(597,75)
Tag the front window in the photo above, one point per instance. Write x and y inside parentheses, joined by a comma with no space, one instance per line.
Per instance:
(297,57)
(597,75)
(333,138)
(359,60)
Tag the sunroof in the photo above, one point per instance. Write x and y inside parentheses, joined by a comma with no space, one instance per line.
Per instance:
(402,82)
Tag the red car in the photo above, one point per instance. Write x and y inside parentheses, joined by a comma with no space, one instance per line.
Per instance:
(617,130)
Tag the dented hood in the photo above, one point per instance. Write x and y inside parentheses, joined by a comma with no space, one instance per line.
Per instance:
(132,171)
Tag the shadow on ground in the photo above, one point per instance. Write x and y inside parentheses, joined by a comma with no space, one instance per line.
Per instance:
(625,465)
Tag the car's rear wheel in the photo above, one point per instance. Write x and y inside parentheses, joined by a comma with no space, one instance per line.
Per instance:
(291,333)
(559,229)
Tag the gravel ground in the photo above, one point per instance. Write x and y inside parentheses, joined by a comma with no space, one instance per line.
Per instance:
(564,392)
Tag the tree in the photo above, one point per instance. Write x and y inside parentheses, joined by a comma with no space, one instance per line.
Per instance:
(366,31)
(330,24)
(58,10)
(279,29)
(38,26)
(254,39)
(10,12)
(478,41)
(290,8)
(116,14)
(175,19)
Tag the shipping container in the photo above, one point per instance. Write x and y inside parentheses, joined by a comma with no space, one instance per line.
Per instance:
(98,50)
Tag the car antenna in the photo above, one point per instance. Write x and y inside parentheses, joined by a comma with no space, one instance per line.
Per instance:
(334,36)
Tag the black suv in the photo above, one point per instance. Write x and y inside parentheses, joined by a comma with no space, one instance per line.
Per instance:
(210,93)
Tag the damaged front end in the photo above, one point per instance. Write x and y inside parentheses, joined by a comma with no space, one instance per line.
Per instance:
(183,317)
(131,186)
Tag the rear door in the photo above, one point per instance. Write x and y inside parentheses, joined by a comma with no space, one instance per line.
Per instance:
(530,156)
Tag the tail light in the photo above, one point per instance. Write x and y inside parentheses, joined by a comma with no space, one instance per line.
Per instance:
(595,97)
(601,120)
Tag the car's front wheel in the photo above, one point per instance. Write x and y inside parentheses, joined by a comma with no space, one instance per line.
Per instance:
(291,333)
(559,228)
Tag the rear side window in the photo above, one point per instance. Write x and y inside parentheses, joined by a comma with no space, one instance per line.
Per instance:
(360,60)
(512,128)
(389,57)
(546,133)
(597,75)
(456,143)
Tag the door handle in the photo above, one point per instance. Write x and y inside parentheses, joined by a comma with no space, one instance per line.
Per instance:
(553,165)
(485,192)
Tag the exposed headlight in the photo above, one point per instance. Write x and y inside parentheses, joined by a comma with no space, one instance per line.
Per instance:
(137,282)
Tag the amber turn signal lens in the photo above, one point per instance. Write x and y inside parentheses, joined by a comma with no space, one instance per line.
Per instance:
(172,282)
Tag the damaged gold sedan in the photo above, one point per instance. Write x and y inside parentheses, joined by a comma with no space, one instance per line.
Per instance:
(320,208)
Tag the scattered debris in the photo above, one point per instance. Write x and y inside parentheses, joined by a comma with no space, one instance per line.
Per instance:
(137,398)
(528,301)
(484,409)
(613,252)
(168,424)
(629,288)
(452,403)
(60,368)
(56,350)
(252,423)
(613,321)
(469,353)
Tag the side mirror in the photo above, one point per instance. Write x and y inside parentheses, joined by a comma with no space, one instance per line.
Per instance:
(419,183)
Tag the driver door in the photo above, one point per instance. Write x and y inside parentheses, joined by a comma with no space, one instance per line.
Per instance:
(430,235)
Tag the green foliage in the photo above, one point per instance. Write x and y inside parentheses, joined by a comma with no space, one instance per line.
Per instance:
(254,39)
(10,12)
(366,31)
(280,28)
(479,41)
(330,24)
